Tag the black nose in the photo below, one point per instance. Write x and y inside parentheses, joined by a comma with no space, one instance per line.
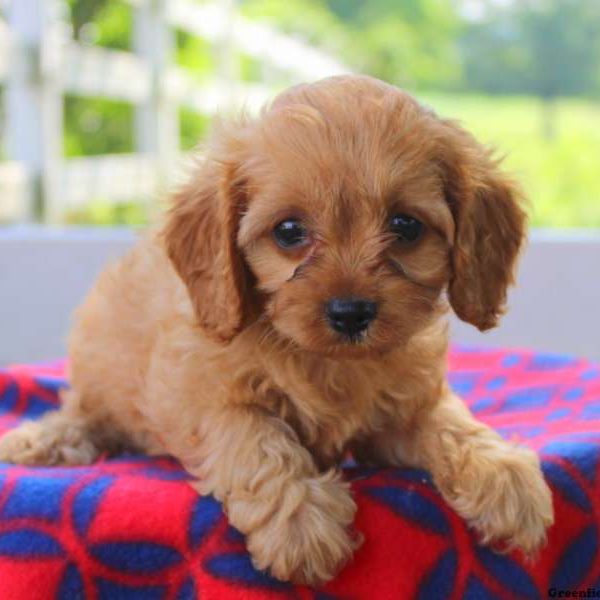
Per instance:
(350,316)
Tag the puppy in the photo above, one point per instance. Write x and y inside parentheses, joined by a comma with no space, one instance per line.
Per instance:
(291,310)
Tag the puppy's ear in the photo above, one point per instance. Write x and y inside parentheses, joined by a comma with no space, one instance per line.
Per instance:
(490,228)
(200,239)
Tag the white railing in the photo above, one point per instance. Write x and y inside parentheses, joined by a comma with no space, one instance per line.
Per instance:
(39,63)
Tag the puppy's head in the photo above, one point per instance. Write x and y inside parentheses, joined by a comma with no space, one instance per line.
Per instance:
(342,215)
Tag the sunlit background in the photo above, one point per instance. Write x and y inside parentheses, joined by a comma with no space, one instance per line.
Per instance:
(101,102)
(100,97)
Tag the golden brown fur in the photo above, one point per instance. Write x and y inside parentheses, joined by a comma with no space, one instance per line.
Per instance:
(208,341)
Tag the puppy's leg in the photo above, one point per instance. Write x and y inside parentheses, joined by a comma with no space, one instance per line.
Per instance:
(497,486)
(62,437)
(296,520)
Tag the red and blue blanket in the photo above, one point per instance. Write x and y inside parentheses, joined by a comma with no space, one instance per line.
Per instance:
(131,528)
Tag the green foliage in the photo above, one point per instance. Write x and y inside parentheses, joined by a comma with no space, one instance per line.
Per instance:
(195,54)
(409,43)
(193,127)
(97,126)
(548,48)
(84,12)
(562,41)
(98,212)
(104,22)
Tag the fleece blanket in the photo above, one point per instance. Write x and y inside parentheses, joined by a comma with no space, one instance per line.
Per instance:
(131,528)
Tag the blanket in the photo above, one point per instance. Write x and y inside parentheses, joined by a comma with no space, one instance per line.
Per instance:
(132,528)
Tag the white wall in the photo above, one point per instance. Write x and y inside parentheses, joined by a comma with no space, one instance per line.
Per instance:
(555,305)
(44,274)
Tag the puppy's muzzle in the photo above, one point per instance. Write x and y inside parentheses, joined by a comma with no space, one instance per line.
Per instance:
(350,316)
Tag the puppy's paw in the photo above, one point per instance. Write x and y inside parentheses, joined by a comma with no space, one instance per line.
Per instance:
(46,443)
(505,498)
(309,539)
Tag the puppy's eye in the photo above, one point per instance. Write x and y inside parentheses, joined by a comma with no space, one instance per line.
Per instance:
(290,234)
(407,228)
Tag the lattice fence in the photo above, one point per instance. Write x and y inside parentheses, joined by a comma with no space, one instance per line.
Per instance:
(40,63)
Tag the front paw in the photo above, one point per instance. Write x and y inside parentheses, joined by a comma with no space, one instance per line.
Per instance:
(505,498)
(307,542)
(50,441)
(24,445)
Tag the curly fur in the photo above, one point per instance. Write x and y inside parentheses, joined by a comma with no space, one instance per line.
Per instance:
(208,341)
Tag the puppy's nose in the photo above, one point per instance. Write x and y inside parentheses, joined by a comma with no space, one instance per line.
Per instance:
(350,316)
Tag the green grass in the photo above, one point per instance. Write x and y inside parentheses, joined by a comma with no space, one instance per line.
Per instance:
(561,176)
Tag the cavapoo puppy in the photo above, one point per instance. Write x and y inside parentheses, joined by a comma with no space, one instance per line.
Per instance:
(291,310)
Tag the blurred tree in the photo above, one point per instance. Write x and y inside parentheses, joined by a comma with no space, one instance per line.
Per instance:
(409,43)
(97,126)
(83,12)
(548,48)
(103,22)
(562,42)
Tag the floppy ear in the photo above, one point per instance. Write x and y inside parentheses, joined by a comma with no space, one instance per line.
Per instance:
(490,228)
(200,239)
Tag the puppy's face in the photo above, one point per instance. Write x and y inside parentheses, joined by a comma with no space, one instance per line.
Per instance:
(352,209)
(349,243)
